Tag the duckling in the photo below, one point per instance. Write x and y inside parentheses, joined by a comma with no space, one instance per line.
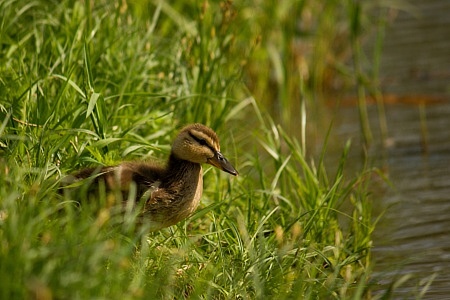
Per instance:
(172,192)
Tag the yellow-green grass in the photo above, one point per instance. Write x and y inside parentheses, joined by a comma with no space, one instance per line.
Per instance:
(88,83)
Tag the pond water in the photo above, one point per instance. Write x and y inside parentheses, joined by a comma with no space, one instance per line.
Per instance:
(412,239)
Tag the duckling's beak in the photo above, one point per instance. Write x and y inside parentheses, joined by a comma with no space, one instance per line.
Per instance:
(219,161)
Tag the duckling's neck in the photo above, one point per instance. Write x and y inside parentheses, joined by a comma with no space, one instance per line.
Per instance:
(184,181)
(180,169)
(178,195)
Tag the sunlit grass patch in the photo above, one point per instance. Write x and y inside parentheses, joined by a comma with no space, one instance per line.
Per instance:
(97,83)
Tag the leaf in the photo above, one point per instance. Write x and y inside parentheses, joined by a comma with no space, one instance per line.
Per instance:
(72,84)
(105,142)
(92,102)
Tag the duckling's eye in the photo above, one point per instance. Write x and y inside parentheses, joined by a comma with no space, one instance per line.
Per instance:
(199,140)
(202,142)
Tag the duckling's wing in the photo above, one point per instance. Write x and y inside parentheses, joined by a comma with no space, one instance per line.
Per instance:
(145,175)
(119,178)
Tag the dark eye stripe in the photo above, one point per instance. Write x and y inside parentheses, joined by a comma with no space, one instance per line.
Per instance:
(202,142)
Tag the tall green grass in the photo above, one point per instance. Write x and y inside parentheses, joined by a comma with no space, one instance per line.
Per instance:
(98,82)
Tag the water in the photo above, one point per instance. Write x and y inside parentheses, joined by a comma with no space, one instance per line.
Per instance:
(413,236)
(415,231)
(412,239)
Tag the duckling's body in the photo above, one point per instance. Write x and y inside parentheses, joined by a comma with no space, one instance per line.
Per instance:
(171,193)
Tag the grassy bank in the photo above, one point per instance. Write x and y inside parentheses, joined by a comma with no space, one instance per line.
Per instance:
(84,84)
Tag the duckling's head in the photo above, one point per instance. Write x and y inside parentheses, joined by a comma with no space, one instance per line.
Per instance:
(199,144)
